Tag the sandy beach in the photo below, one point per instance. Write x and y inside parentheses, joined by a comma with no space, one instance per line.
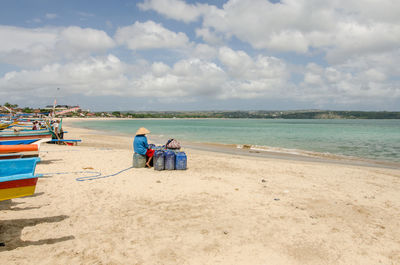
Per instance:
(224,209)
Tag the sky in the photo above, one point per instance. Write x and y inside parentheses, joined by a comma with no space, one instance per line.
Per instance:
(201,55)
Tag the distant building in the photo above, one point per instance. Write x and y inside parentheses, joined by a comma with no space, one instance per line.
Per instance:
(63,110)
(60,107)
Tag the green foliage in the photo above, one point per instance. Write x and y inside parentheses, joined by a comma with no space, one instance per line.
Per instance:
(8,105)
(27,110)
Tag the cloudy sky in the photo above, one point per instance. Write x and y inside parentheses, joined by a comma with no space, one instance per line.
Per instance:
(201,55)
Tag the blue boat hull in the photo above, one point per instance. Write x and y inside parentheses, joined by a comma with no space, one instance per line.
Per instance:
(16,142)
(17,178)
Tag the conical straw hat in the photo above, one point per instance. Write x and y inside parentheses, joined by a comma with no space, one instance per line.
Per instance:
(142,130)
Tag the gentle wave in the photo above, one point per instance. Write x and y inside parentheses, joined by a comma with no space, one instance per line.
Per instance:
(298,152)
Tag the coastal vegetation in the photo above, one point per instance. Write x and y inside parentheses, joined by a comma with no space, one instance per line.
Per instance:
(257,114)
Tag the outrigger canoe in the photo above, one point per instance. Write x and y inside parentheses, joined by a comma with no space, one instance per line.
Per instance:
(18,151)
(23,131)
(16,142)
(26,136)
(6,125)
(17,178)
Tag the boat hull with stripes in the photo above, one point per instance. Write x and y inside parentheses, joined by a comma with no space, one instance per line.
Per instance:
(25,136)
(17,188)
(17,178)
(18,151)
(17,142)
(5,149)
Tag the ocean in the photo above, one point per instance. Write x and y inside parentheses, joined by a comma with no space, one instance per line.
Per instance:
(370,139)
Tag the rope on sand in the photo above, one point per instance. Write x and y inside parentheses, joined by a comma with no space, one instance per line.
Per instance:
(97,175)
(100,176)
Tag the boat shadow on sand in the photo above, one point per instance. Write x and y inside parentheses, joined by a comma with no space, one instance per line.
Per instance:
(49,161)
(11,232)
(9,205)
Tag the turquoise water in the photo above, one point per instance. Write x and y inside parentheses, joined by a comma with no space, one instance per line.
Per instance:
(374,139)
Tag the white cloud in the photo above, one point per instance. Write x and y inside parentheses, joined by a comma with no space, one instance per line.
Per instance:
(94,76)
(260,77)
(35,47)
(313,79)
(159,69)
(235,75)
(339,28)
(359,39)
(27,47)
(286,41)
(209,36)
(375,75)
(240,65)
(204,51)
(15,38)
(109,76)
(83,40)
(348,84)
(332,75)
(175,9)
(150,35)
(188,78)
(353,39)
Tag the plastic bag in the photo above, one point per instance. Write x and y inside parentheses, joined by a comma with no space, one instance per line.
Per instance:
(173,144)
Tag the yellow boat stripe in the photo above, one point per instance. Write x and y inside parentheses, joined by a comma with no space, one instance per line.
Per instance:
(6,194)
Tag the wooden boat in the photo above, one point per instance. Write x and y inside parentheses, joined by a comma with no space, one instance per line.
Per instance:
(11,156)
(18,151)
(15,142)
(6,125)
(20,131)
(17,178)
(45,134)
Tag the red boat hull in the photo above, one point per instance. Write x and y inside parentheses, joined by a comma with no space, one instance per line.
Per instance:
(17,188)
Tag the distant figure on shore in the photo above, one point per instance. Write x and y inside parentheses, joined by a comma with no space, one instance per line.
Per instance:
(141,146)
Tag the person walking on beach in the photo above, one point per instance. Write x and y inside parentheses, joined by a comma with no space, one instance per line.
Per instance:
(141,146)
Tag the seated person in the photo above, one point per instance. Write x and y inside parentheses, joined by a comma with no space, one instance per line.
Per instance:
(140,145)
(35,125)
